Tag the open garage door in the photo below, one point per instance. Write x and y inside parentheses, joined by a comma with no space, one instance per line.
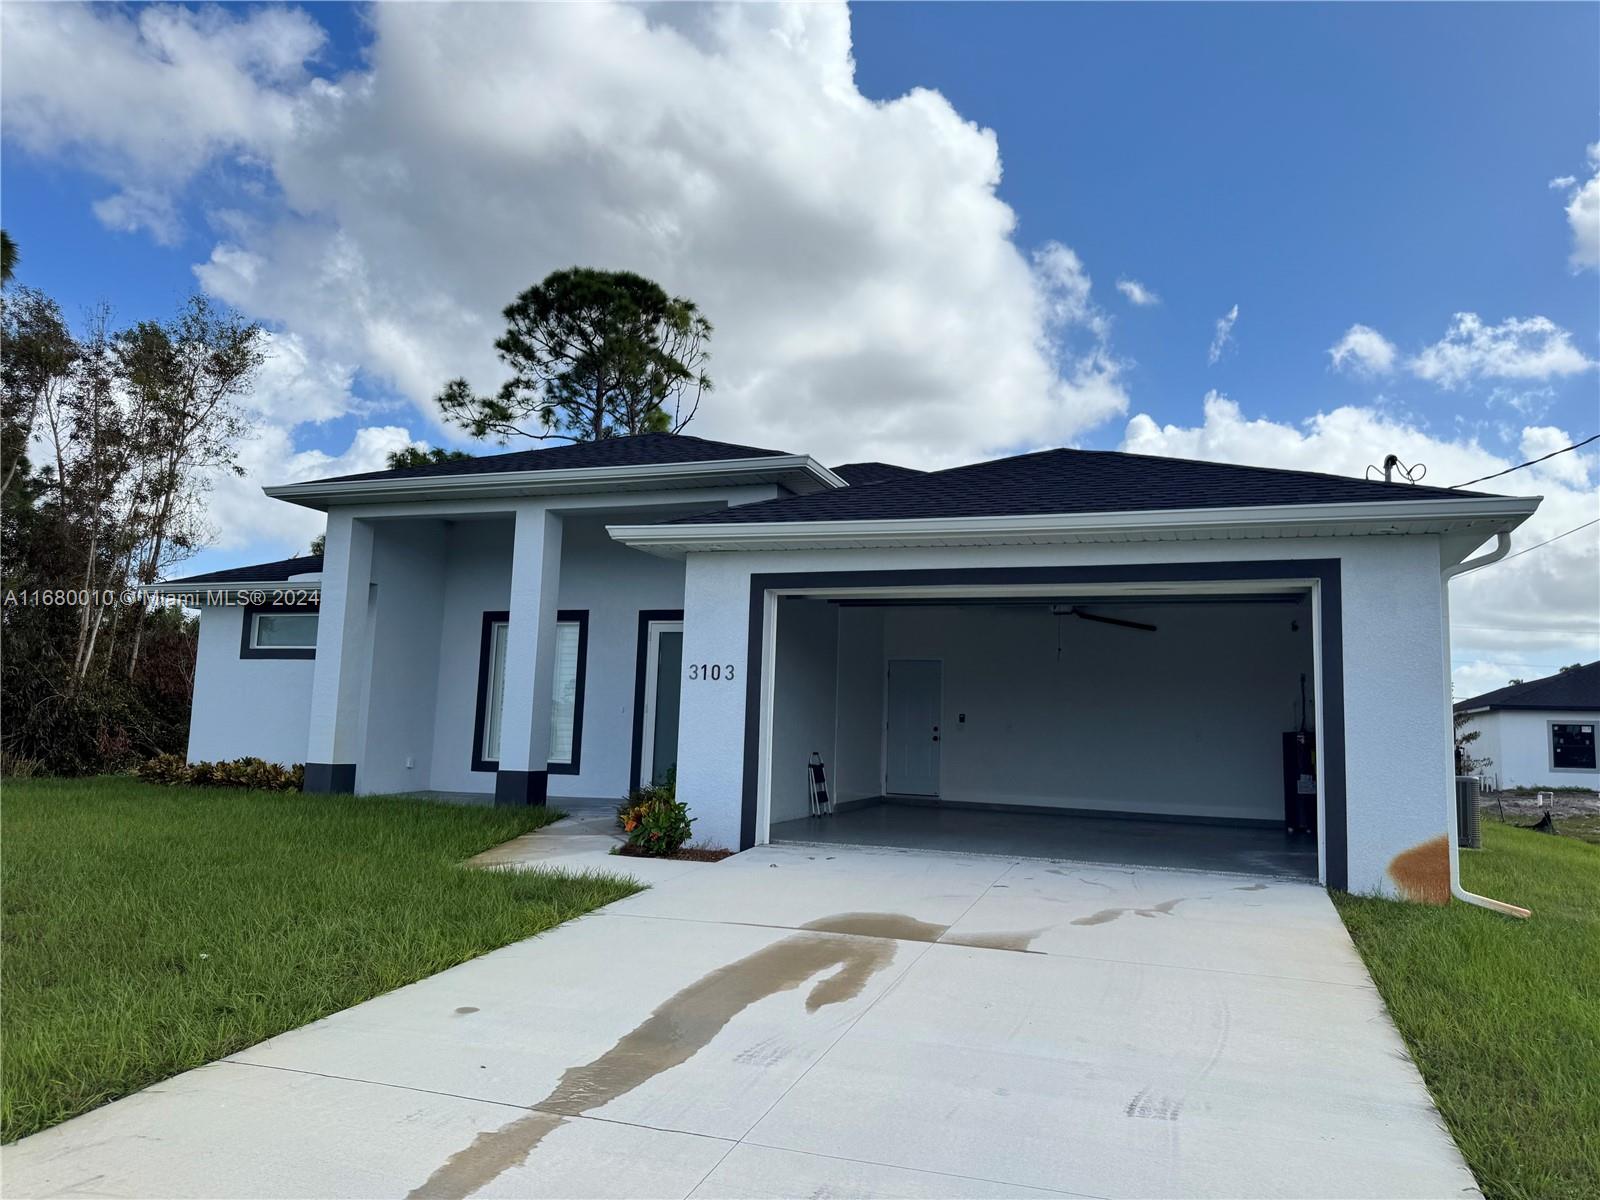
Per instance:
(1174,729)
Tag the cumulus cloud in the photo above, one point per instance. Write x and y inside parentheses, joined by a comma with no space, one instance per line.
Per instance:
(171,87)
(1583,214)
(1223,336)
(1525,616)
(1137,293)
(1525,349)
(1530,348)
(858,265)
(1364,351)
(295,384)
(1562,182)
(136,208)
(242,517)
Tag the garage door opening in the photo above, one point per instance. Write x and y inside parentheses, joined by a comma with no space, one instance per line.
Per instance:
(1173,730)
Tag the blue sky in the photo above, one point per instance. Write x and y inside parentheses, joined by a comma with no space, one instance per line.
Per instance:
(374,184)
(1386,164)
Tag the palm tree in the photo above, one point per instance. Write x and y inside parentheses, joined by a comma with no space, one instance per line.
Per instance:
(8,257)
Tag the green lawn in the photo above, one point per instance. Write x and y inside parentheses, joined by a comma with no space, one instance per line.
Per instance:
(1503,1016)
(148,930)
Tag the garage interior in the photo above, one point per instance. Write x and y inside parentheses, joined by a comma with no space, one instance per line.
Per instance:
(1165,730)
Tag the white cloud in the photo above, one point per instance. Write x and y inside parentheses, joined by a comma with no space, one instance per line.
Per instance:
(242,517)
(296,384)
(1526,349)
(1525,616)
(1224,335)
(1531,348)
(1363,350)
(860,269)
(1570,470)
(1583,215)
(1065,286)
(1137,293)
(1562,182)
(149,96)
(136,208)
(1530,403)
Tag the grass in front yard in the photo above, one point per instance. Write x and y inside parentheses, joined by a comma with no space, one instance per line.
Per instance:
(148,929)
(1503,1016)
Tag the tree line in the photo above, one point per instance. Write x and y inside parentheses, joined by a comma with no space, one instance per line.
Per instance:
(108,438)
(110,435)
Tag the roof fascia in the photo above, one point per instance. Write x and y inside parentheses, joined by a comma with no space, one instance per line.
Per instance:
(795,469)
(1366,517)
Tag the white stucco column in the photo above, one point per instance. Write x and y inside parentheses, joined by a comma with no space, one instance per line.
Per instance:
(711,713)
(338,680)
(530,657)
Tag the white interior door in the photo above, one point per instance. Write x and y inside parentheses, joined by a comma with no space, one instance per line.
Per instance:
(915,696)
(663,676)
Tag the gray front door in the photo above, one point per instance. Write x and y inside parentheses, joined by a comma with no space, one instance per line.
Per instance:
(915,699)
(662,684)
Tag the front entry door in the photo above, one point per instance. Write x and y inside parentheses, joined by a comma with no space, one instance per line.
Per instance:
(663,681)
(915,697)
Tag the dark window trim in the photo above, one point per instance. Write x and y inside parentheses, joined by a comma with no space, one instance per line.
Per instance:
(571,616)
(485,645)
(1594,744)
(641,666)
(580,618)
(246,650)
(1330,719)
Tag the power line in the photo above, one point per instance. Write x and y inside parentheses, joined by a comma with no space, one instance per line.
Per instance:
(1529,463)
(1557,537)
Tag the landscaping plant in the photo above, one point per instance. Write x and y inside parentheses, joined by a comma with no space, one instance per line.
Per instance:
(254,773)
(656,822)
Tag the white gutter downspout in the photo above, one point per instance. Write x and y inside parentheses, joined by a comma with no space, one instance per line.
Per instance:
(1501,548)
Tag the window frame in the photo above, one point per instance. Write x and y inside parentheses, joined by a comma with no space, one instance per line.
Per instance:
(565,616)
(247,646)
(1594,743)
(580,618)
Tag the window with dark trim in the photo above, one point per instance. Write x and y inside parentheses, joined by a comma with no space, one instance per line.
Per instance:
(566,710)
(1572,746)
(278,631)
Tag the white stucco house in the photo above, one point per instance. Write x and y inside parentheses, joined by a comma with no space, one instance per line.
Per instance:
(1081,635)
(1540,733)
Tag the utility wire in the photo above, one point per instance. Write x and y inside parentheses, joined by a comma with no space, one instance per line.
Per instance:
(1529,463)
(1557,537)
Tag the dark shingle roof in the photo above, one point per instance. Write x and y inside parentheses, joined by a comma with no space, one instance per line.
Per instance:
(863,473)
(644,449)
(1071,481)
(1575,689)
(272,572)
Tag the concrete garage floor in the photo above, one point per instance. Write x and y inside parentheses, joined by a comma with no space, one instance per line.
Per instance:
(1121,840)
(806,1022)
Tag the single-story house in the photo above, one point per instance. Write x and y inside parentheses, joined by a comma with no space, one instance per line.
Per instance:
(1192,648)
(1538,734)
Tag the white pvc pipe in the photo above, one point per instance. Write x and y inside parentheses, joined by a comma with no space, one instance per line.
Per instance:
(1501,549)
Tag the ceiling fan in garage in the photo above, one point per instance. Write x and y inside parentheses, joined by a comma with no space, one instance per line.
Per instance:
(1071,610)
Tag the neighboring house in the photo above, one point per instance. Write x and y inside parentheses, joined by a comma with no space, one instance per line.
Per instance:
(1069,631)
(1538,734)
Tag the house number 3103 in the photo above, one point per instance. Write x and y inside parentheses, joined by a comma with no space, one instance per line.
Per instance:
(711,671)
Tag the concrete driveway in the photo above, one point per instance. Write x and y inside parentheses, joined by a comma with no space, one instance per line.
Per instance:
(801,1021)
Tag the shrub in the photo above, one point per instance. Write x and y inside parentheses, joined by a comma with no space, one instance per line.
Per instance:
(660,827)
(654,820)
(170,769)
(667,789)
(254,773)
